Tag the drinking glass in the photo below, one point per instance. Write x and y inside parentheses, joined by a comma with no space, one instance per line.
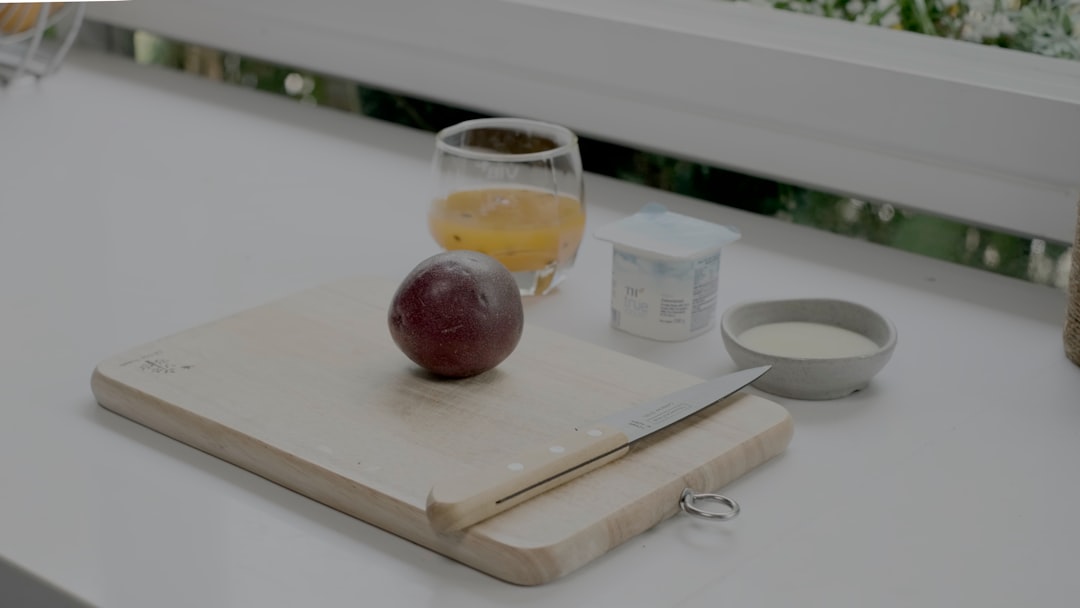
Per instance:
(511,188)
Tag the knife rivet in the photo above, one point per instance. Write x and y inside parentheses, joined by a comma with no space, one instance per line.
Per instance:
(516,466)
(556,449)
(595,433)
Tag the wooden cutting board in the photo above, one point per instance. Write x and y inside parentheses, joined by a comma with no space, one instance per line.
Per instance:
(311,393)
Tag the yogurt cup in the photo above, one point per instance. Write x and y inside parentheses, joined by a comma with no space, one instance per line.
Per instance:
(665,273)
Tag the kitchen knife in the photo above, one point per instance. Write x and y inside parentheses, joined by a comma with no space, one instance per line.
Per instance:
(475,497)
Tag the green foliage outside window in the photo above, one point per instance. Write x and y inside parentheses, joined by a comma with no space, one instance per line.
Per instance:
(1041,26)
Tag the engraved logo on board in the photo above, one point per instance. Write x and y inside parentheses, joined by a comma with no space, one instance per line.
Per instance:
(156,363)
(158,366)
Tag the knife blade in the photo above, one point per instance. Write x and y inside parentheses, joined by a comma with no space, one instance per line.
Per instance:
(461,502)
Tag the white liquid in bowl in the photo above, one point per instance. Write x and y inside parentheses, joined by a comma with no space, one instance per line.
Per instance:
(806,340)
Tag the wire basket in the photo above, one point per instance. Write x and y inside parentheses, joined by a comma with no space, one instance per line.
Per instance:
(34,37)
(1072,318)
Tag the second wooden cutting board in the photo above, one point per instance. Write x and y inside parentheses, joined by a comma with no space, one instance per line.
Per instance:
(310,392)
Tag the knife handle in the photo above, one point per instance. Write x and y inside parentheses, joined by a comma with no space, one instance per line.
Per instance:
(457,503)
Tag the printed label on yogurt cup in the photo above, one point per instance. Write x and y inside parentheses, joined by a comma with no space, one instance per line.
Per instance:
(665,273)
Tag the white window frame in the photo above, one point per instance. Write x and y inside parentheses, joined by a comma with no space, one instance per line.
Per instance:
(987,135)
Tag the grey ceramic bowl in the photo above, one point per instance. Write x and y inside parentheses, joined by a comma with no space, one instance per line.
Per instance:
(810,378)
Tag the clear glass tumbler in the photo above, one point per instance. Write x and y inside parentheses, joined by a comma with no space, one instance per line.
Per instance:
(511,188)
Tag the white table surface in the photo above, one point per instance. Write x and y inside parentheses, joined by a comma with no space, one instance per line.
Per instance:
(136,202)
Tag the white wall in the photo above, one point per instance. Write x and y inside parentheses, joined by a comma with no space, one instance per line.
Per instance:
(980,133)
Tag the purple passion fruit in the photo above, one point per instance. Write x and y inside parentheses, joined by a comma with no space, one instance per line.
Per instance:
(457,314)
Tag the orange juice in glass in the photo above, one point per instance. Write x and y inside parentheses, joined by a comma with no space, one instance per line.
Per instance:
(511,188)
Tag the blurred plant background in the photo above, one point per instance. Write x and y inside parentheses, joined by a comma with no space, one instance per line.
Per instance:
(1040,26)
(1043,27)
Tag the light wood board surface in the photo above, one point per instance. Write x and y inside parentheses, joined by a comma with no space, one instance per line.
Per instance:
(310,392)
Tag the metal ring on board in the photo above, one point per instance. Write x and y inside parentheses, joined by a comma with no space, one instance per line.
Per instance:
(688,500)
